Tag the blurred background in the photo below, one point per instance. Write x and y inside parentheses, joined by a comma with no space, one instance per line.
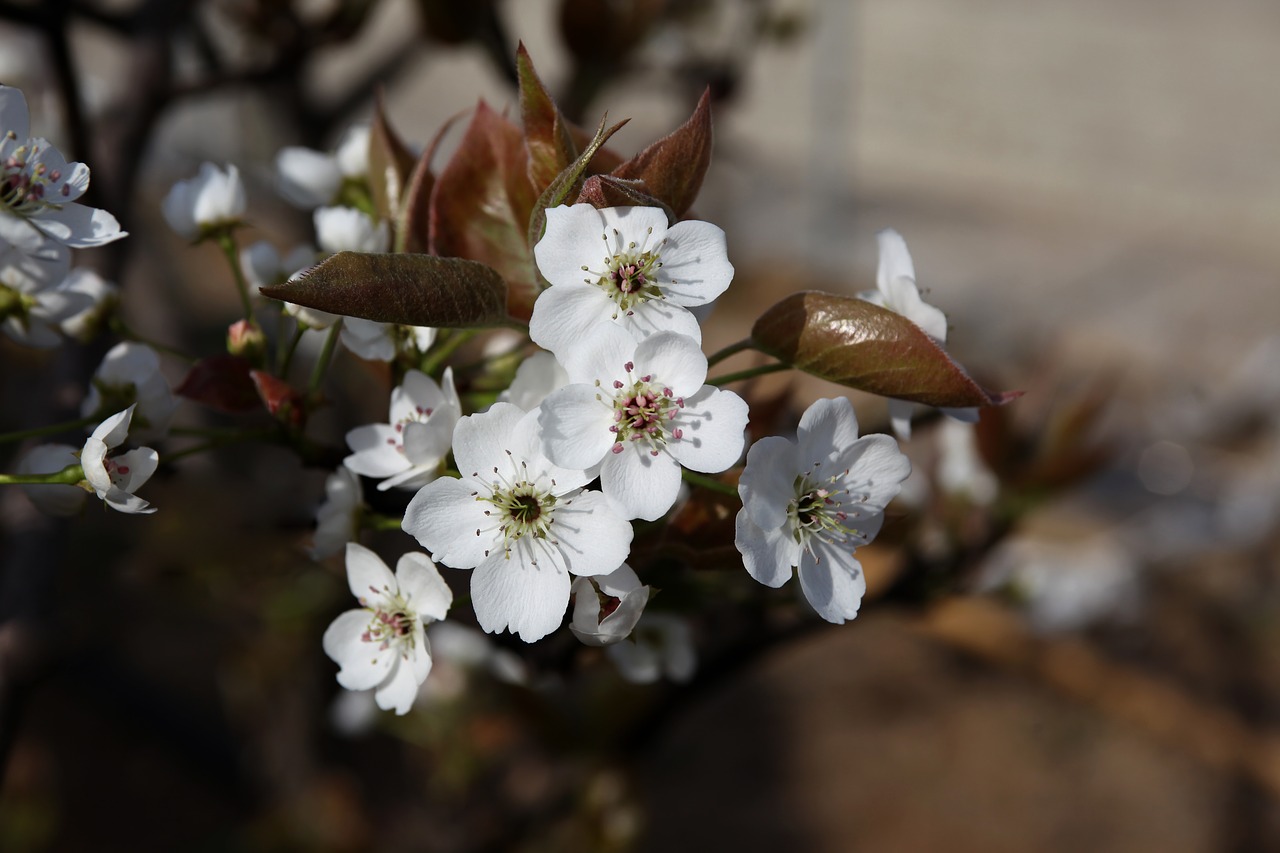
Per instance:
(1070,641)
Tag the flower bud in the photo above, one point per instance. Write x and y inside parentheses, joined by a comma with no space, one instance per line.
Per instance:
(246,339)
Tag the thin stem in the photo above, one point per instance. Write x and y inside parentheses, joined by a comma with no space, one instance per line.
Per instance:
(447,347)
(118,326)
(732,349)
(708,482)
(377,521)
(228,243)
(52,429)
(326,355)
(68,476)
(749,373)
(287,359)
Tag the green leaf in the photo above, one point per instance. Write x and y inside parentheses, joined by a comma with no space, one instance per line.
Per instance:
(546,131)
(481,203)
(415,290)
(860,345)
(390,164)
(674,166)
(568,184)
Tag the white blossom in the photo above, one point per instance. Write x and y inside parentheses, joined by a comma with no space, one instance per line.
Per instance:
(345,229)
(308,178)
(383,646)
(33,299)
(39,188)
(115,478)
(606,608)
(536,377)
(130,373)
(809,504)
(97,300)
(624,265)
(661,645)
(407,451)
(896,290)
(338,518)
(524,524)
(381,341)
(52,498)
(640,411)
(214,199)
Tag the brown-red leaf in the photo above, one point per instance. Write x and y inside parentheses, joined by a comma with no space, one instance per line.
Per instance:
(674,166)
(414,290)
(546,131)
(391,162)
(221,382)
(860,345)
(281,399)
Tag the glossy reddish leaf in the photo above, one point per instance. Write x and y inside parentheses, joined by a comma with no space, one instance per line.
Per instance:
(855,343)
(481,203)
(413,230)
(568,184)
(221,382)
(281,399)
(674,166)
(546,131)
(607,191)
(391,162)
(415,290)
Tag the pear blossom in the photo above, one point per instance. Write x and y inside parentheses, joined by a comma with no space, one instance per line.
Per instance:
(52,498)
(407,451)
(308,178)
(523,523)
(96,301)
(896,290)
(115,478)
(661,645)
(640,411)
(39,188)
(33,299)
(809,504)
(536,377)
(961,469)
(263,265)
(130,373)
(383,645)
(381,341)
(624,265)
(345,229)
(211,201)
(338,518)
(607,616)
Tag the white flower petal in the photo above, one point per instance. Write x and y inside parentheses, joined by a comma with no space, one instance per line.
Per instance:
(827,426)
(592,539)
(712,424)
(574,425)
(768,555)
(643,486)
(695,263)
(368,578)
(674,360)
(566,315)
(375,451)
(14,117)
(307,178)
(834,587)
(895,260)
(528,600)
(767,484)
(400,688)
(444,516)
(422,587)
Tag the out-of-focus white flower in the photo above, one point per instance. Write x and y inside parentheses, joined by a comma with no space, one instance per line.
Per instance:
(52,498)
(39,188)
(407,451)
(536,377)
(810,503)
(338,519)
(308,178)
(639,412)
(896,290)
(115,478)
(646,282)
(263,265)
(130,373)
(524,524)
(102,296)
(961,470)
(1064,586)
(345,229)
(211,201)
(383,646)
(381,341)
(598,622)
(661,645)
(33,302)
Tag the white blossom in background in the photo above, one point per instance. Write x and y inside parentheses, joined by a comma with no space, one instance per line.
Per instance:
(130,373)
(308,178)
(52,498)
(115,478)
(536,377)
(345,229)
(263,265)
(338,518)
(640,411)
(961,470)
(624,265)
(97,301)
(661,645)
(896,290)
(381,341)
(33,299)
(39,188)
(809,504)
(383,646)
(407,451)
(524,524)
(607,608)
(213,200)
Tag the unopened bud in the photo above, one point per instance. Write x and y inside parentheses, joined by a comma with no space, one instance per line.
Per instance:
(245,339)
